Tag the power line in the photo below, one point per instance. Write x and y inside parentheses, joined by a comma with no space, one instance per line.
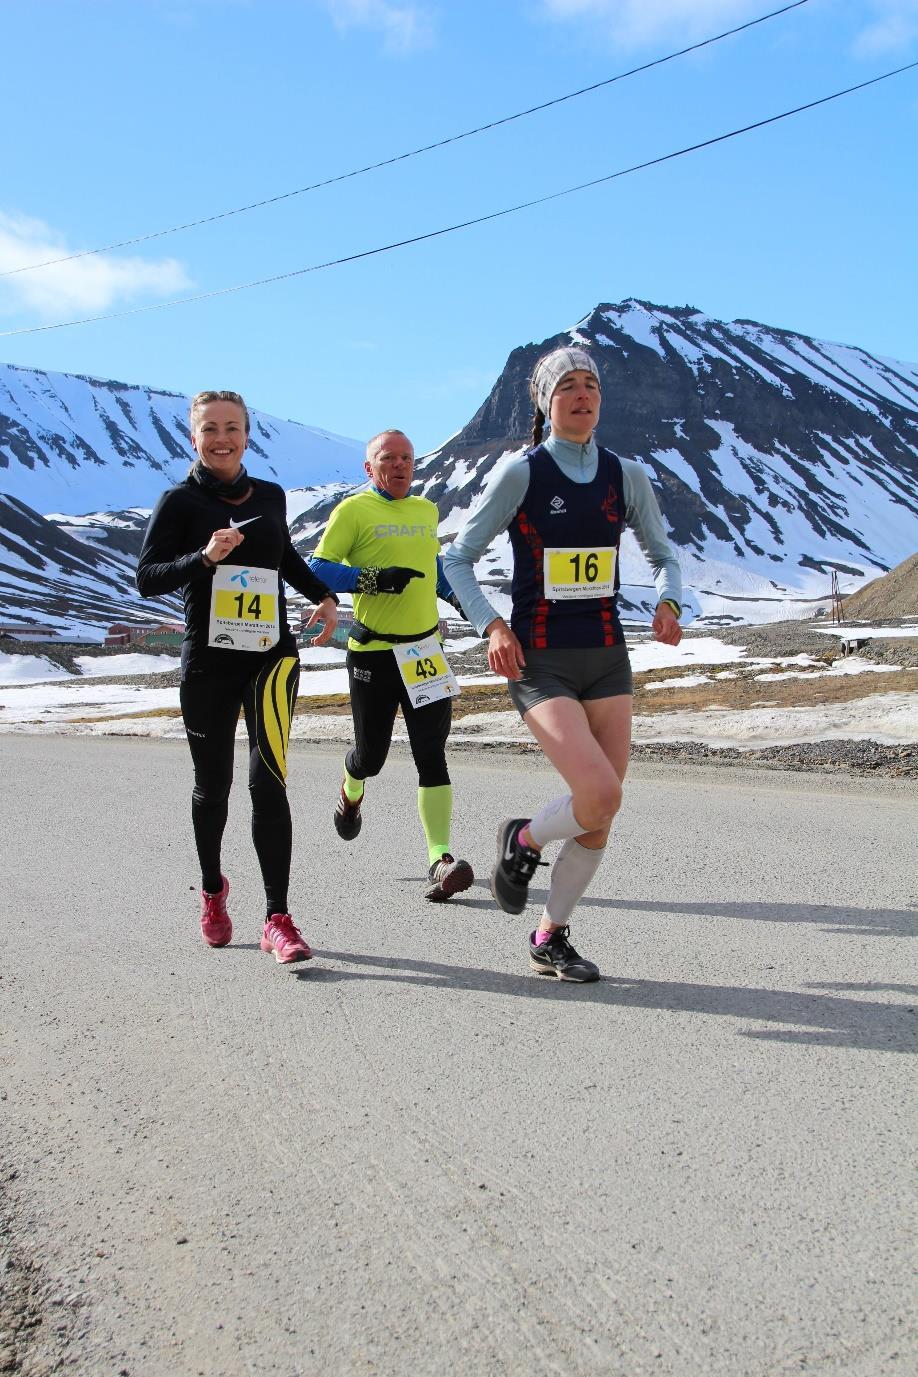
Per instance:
(402,157)
(464,224)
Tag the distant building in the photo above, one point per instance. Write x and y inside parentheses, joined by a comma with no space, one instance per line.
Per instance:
(339,637)
(17,632)
(151,636)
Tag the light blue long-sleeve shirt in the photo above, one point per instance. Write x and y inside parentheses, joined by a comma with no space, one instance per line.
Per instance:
(503,498)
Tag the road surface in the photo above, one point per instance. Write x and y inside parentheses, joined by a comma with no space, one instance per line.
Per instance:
(413,1157)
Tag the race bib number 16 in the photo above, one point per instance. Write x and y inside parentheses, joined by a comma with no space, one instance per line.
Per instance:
(573,572)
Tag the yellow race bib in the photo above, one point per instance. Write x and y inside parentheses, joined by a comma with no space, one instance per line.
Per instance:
(579,572)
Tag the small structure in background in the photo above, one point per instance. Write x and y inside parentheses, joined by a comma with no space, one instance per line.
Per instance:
(836,600)
(851,644)
(306,636)
(151,637)
(16,631)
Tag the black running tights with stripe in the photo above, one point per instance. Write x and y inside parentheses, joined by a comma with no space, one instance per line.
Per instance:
(210,708)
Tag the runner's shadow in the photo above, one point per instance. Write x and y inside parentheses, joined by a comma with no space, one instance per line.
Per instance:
(825,1020)
(858,922)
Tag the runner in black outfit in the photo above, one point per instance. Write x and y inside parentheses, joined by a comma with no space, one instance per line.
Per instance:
(238,651)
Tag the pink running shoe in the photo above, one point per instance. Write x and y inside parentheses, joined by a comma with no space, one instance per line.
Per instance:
(216,925)
(283,937)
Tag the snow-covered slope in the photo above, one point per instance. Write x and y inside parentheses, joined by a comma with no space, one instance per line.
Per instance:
(72,444)
(47,577)
(778,459)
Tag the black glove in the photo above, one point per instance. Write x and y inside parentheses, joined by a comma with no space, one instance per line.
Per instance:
(395,579)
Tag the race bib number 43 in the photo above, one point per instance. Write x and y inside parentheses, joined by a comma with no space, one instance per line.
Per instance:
(243,608)
(573,572)
(425,671)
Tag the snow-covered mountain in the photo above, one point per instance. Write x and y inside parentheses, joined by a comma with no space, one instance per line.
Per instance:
(94,456)
(74,445)
(778,459)
(49,576)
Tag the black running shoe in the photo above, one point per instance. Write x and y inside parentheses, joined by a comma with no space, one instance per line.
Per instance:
(514,867)
(347,816)
(448,877)
(557,957)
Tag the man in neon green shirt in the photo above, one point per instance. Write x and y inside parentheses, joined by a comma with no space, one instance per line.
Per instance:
(381,546)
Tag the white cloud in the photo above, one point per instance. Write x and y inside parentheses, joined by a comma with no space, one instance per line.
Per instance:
(889,26)
(405,26)
(632,23)
(894,28)
(84,284)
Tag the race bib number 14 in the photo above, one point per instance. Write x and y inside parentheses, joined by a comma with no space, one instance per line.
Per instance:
(425,671)
(243,608)
(573,572)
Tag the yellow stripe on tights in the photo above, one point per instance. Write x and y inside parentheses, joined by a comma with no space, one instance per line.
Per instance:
(275,713)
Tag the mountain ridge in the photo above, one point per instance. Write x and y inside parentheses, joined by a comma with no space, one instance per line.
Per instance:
(778,459)
(74,443)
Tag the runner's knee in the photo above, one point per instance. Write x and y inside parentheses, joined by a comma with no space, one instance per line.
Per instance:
(365,764)
(269,797)
(432,774)
(213,792)
(597,802)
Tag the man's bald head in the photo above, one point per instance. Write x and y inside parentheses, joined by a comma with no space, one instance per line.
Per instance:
(390,462)
(385,435)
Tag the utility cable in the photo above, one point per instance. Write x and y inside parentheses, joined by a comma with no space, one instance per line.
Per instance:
(402,157)
(464,224)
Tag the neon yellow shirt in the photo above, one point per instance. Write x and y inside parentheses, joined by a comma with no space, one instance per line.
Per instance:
(369,529)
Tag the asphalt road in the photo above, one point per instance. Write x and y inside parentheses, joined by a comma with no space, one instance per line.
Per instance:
(413,1157)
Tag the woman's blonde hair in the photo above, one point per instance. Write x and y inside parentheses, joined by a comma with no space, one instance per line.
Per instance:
(201,399)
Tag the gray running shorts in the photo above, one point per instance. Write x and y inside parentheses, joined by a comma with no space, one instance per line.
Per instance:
(602,672)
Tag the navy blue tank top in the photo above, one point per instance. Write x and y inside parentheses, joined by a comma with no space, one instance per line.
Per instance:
(557,512)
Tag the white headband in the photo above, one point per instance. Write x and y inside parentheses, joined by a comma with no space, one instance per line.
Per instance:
(551,368)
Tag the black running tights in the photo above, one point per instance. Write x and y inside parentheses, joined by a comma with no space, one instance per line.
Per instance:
(377,692)
(210,708)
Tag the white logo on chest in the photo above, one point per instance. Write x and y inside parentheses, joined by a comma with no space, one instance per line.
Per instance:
(557,506)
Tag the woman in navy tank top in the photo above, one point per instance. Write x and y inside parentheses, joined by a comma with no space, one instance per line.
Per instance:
(564,504)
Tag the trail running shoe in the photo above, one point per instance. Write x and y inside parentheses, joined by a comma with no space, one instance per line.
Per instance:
(216,925)
(347,816)
(514,867)
(557,957)
(448,877)
(283,937)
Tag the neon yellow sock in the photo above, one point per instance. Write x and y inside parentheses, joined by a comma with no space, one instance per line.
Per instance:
(353,788)
(435,809)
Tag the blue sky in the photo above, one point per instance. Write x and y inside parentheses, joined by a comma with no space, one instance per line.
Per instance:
(132,118)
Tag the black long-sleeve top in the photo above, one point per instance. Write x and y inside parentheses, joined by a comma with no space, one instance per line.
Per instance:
(183,521)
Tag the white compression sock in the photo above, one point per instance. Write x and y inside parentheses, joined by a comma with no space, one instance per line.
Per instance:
(555,822)
(572,871)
